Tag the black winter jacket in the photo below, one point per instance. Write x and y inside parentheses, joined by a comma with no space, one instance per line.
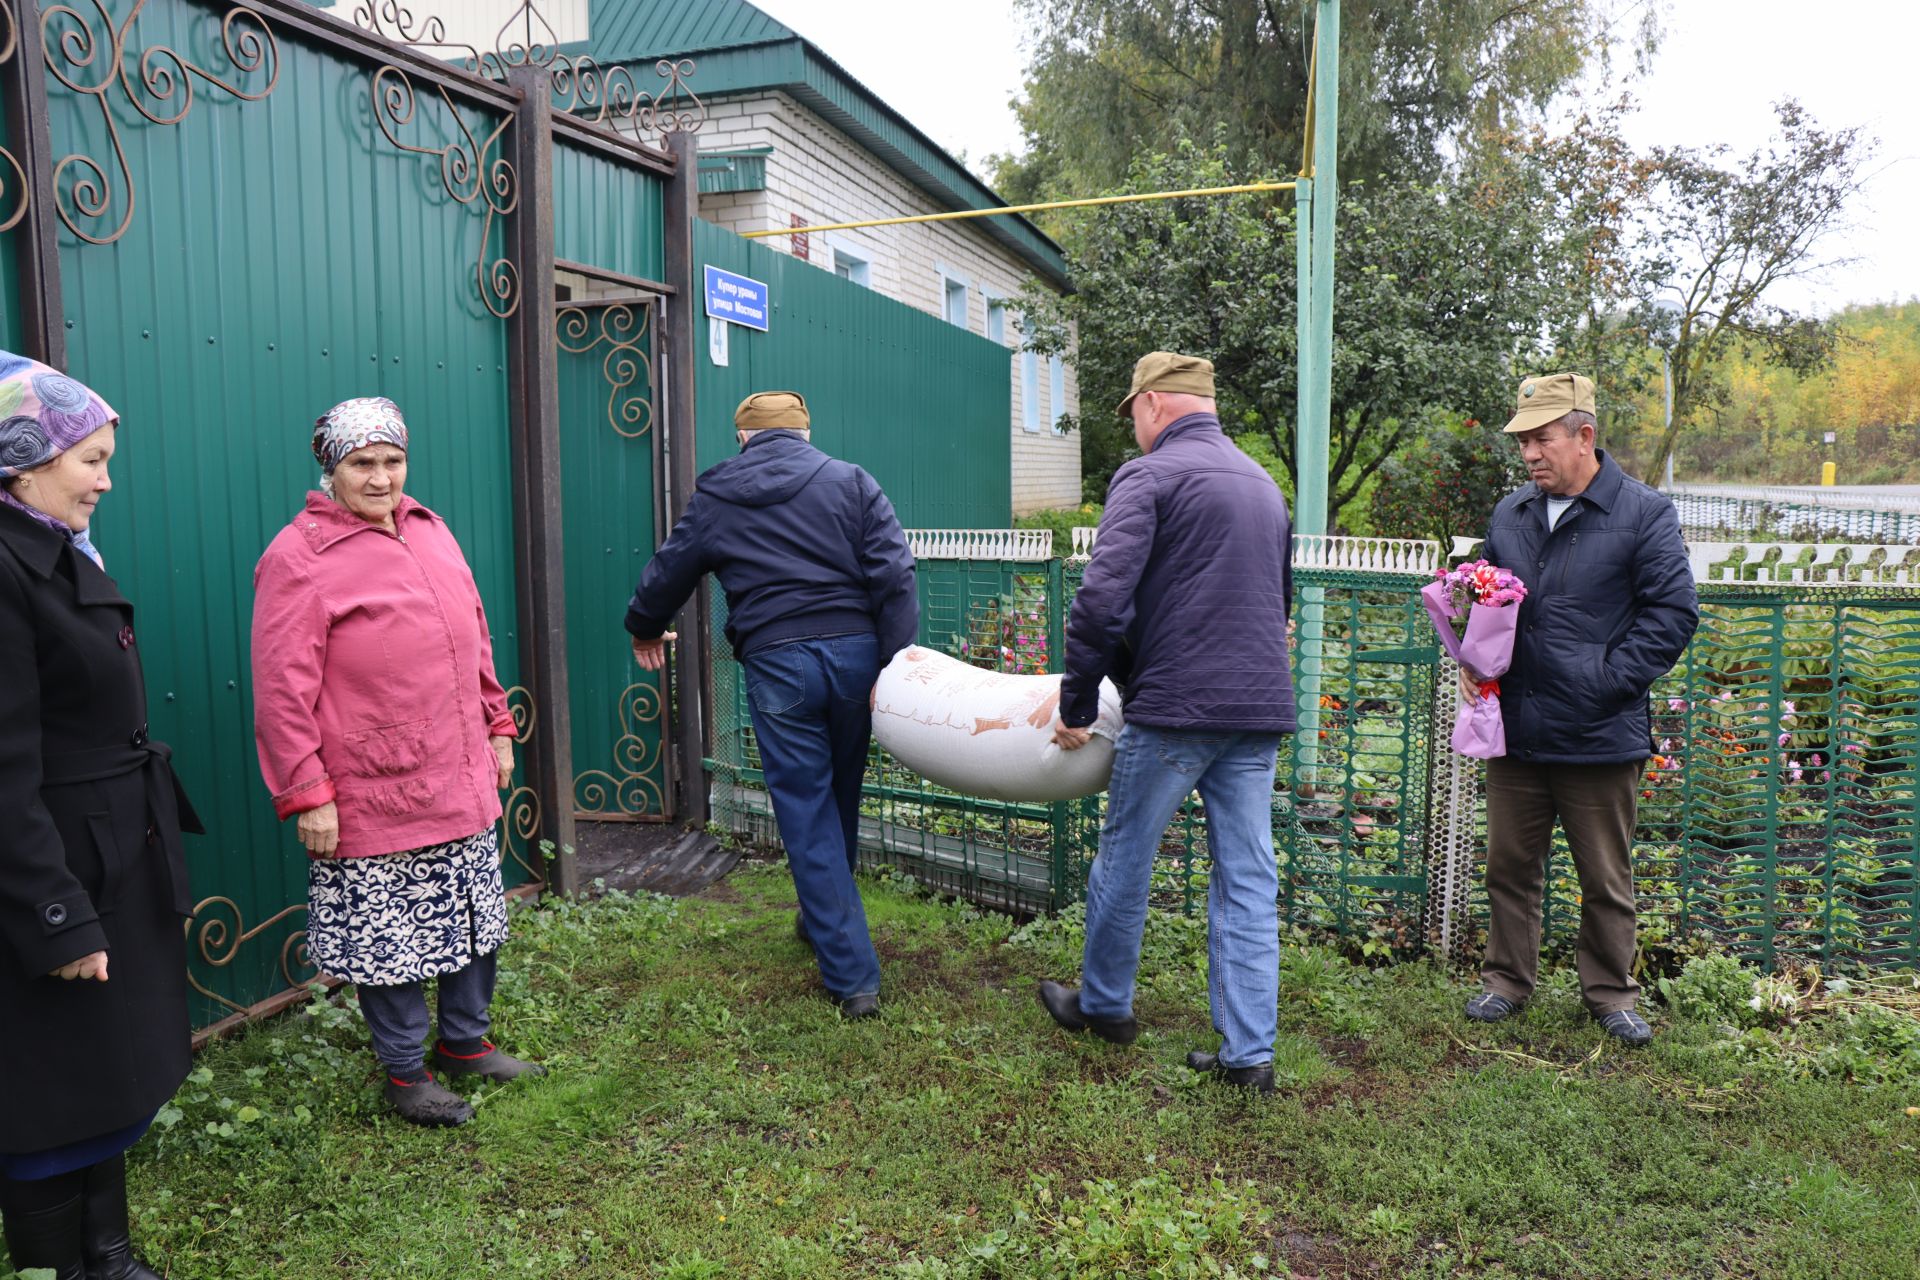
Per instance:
(1610,608)
(805,546)
(90,857)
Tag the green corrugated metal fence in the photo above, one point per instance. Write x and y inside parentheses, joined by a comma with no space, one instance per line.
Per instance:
(923,405)
(278,261)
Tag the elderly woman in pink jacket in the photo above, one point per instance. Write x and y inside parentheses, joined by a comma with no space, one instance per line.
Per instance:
(382,727)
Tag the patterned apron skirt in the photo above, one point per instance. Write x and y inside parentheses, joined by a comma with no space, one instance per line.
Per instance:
(406,917)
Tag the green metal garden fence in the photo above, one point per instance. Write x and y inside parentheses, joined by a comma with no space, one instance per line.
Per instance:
(1779,817)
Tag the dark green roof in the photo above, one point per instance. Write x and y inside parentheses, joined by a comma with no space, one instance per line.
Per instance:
(738,49)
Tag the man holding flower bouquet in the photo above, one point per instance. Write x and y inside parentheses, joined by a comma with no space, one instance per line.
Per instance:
(1609,608)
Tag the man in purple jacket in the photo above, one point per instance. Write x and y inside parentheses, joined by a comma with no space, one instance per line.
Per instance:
(1185,605)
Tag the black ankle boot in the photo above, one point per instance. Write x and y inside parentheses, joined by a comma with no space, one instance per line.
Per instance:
(105,1239)
(48,1238)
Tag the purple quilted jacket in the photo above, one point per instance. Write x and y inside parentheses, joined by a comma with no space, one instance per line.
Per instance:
(1185,602)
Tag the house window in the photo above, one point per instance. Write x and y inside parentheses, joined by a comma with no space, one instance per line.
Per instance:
(953,299)
(997,320)
(1057,389)
(851,266)
(1030,390)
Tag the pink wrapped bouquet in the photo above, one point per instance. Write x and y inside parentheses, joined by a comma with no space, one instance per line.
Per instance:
(1474,610)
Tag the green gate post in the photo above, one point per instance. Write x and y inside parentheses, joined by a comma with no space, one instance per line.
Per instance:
(1313,250)
(1061,810)
(539,538)
(692,658)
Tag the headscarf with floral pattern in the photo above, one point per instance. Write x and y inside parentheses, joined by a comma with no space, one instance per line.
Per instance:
(355,424)
(44,413)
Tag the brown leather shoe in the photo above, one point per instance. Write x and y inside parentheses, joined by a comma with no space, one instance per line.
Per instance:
(1259,1079)
(1063,1003)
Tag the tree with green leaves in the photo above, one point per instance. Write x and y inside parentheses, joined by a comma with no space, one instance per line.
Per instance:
(1734,234)
(1440,288)
(1444,481)
(1685,249)
(1111,80)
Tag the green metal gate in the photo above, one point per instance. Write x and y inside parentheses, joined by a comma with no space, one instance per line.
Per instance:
(610,456)
(229,217)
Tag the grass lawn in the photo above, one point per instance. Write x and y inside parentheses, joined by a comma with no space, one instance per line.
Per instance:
(710,1115)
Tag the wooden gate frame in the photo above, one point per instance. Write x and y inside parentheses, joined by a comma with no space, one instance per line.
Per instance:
(521,80)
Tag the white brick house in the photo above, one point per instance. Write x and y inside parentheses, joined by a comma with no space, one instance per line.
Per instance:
(791,139)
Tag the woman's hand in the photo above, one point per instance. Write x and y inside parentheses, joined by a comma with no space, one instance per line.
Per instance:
(503,756)
(652,654)
(319,830)
(93,966)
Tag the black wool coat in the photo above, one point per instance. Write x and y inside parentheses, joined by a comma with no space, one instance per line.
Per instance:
(90,857)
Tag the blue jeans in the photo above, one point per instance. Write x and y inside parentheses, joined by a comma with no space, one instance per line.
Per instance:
(1154,770)
(812,717)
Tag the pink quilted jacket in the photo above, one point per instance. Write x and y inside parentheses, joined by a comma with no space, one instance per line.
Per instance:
(373,679)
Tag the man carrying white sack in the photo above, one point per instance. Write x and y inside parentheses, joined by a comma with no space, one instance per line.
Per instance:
(1185,606)
(820,595)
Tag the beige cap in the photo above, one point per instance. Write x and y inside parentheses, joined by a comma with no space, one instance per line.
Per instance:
(1549,398)
(1169,371)
(766,410)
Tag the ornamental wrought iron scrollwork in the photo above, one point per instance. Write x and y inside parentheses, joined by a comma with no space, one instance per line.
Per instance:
(94,63)
(471,170)
(601,96)
(605,96)
(630,789)
(218,941)
(522,807)
(621,328)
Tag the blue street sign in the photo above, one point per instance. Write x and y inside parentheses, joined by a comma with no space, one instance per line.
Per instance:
(736,298)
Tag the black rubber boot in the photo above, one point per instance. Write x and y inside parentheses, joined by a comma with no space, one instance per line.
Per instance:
(47,1238)
(427,1102)
(105,1241)
(489,1062)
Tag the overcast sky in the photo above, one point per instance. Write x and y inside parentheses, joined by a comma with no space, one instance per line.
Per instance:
(1721,66)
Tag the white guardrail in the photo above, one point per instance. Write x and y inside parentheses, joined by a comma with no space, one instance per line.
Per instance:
(1866,499)
(1891,519)
(1415,556)
(1787,564)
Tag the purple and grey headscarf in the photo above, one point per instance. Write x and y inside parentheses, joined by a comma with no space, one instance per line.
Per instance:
(44,413)
(355,424)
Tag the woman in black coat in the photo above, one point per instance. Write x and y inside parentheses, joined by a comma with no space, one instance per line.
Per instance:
(93,885)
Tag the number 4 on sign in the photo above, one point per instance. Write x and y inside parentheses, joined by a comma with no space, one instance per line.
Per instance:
(717,341)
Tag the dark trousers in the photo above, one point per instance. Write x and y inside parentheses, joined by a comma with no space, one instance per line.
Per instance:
(1595,805)
(813,717)
(397,1015)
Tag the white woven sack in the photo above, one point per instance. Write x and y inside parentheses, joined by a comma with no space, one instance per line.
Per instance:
(985,734)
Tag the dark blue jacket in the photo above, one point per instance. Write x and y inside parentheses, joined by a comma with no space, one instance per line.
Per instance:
(1610,607)
(1185,602)
(805,546)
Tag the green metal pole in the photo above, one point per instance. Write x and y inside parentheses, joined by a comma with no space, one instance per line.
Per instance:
(1316,353)
(1314,208)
